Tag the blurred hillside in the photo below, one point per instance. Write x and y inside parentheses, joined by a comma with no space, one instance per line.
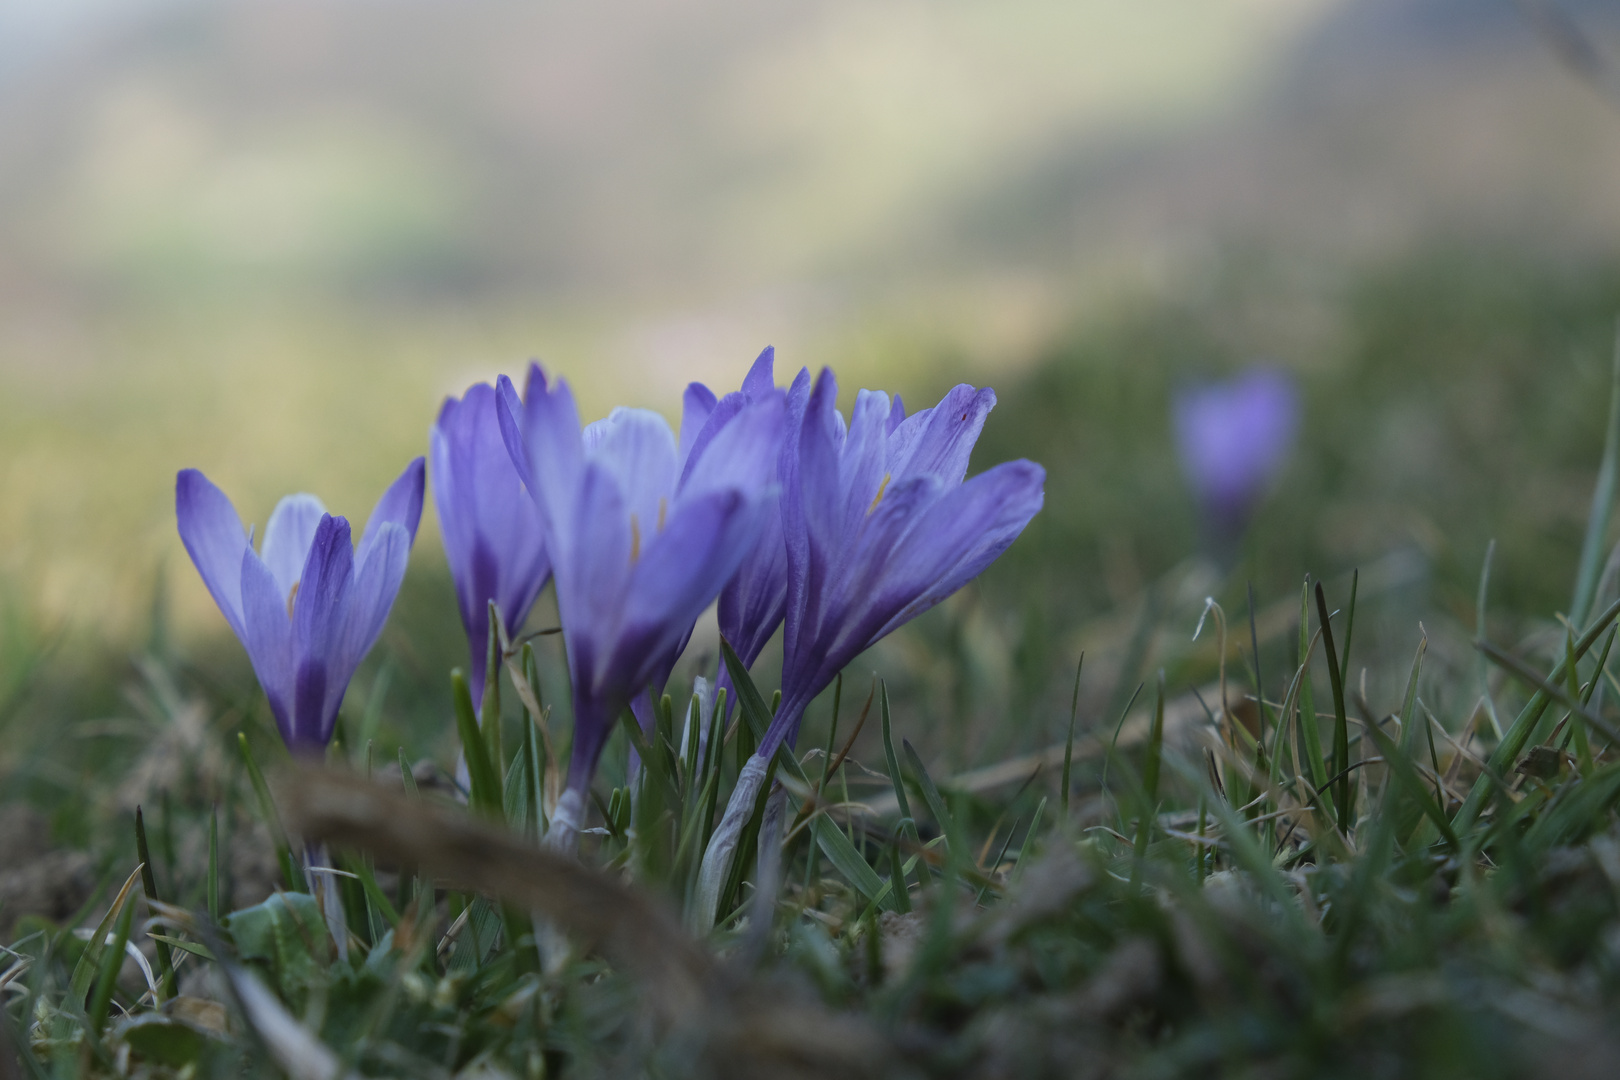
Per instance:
(265,236)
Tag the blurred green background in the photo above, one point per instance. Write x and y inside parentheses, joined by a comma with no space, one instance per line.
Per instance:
(265,238)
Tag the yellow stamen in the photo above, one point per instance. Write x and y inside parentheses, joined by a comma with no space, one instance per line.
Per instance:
(635,538)
(663,512)
(879,496)
(290,598)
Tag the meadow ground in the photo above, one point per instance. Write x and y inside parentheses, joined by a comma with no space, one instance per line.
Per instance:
(1398,858)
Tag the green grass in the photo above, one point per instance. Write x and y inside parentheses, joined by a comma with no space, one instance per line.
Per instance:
(1342,871)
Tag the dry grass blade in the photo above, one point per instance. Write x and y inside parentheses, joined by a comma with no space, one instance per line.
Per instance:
(324,806)
(746,1032)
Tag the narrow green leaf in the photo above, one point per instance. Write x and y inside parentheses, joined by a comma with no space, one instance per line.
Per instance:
(112,959)
(485,797)
(907,822)
(842,854)
(149,884)
(1339,801)
(1150,778)
(272,820)
(1481,634)
(930,793)
(1068,744)
(1507,752)
(84,972)
(1603,493)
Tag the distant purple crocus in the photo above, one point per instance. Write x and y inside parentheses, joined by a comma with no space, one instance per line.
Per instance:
(492,531)
(639,546)
(308,606)
(880,526)
(1233,438)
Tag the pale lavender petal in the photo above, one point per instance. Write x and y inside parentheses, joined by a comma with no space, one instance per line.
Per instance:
(593,573)
(401,504)
(374,586)
(638,449)
(214,538)
(268,637)
(287,537)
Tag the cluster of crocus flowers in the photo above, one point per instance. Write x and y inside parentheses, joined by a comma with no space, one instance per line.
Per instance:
(1233,438)
(642,539)
(767,502)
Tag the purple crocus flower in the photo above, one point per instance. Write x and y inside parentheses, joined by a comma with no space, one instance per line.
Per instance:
(753,603)
(309,605)
(491,528)
(1233,438)
(639,546)
(880,526)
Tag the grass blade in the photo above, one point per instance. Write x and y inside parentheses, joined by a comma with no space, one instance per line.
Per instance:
(1341,723)
(149,884)
(1068,745)
(1603,492)
(907,822)
(267,810)
(485,797)
(112,960)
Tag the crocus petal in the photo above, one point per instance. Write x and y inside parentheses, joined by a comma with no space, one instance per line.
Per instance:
(761,377)
(375,584)
(682,572)
(742,452)
(492,531)
(940,440)
(696,405)
(548,448)
(401,504)
(318,612)
(753,601)
(593,572)
(268,637)
(637,447)
(961,534)
(287,537)
(214,538)
(510,413)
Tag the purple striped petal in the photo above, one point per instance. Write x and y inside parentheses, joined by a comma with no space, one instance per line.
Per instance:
(318,610)
(940,440)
